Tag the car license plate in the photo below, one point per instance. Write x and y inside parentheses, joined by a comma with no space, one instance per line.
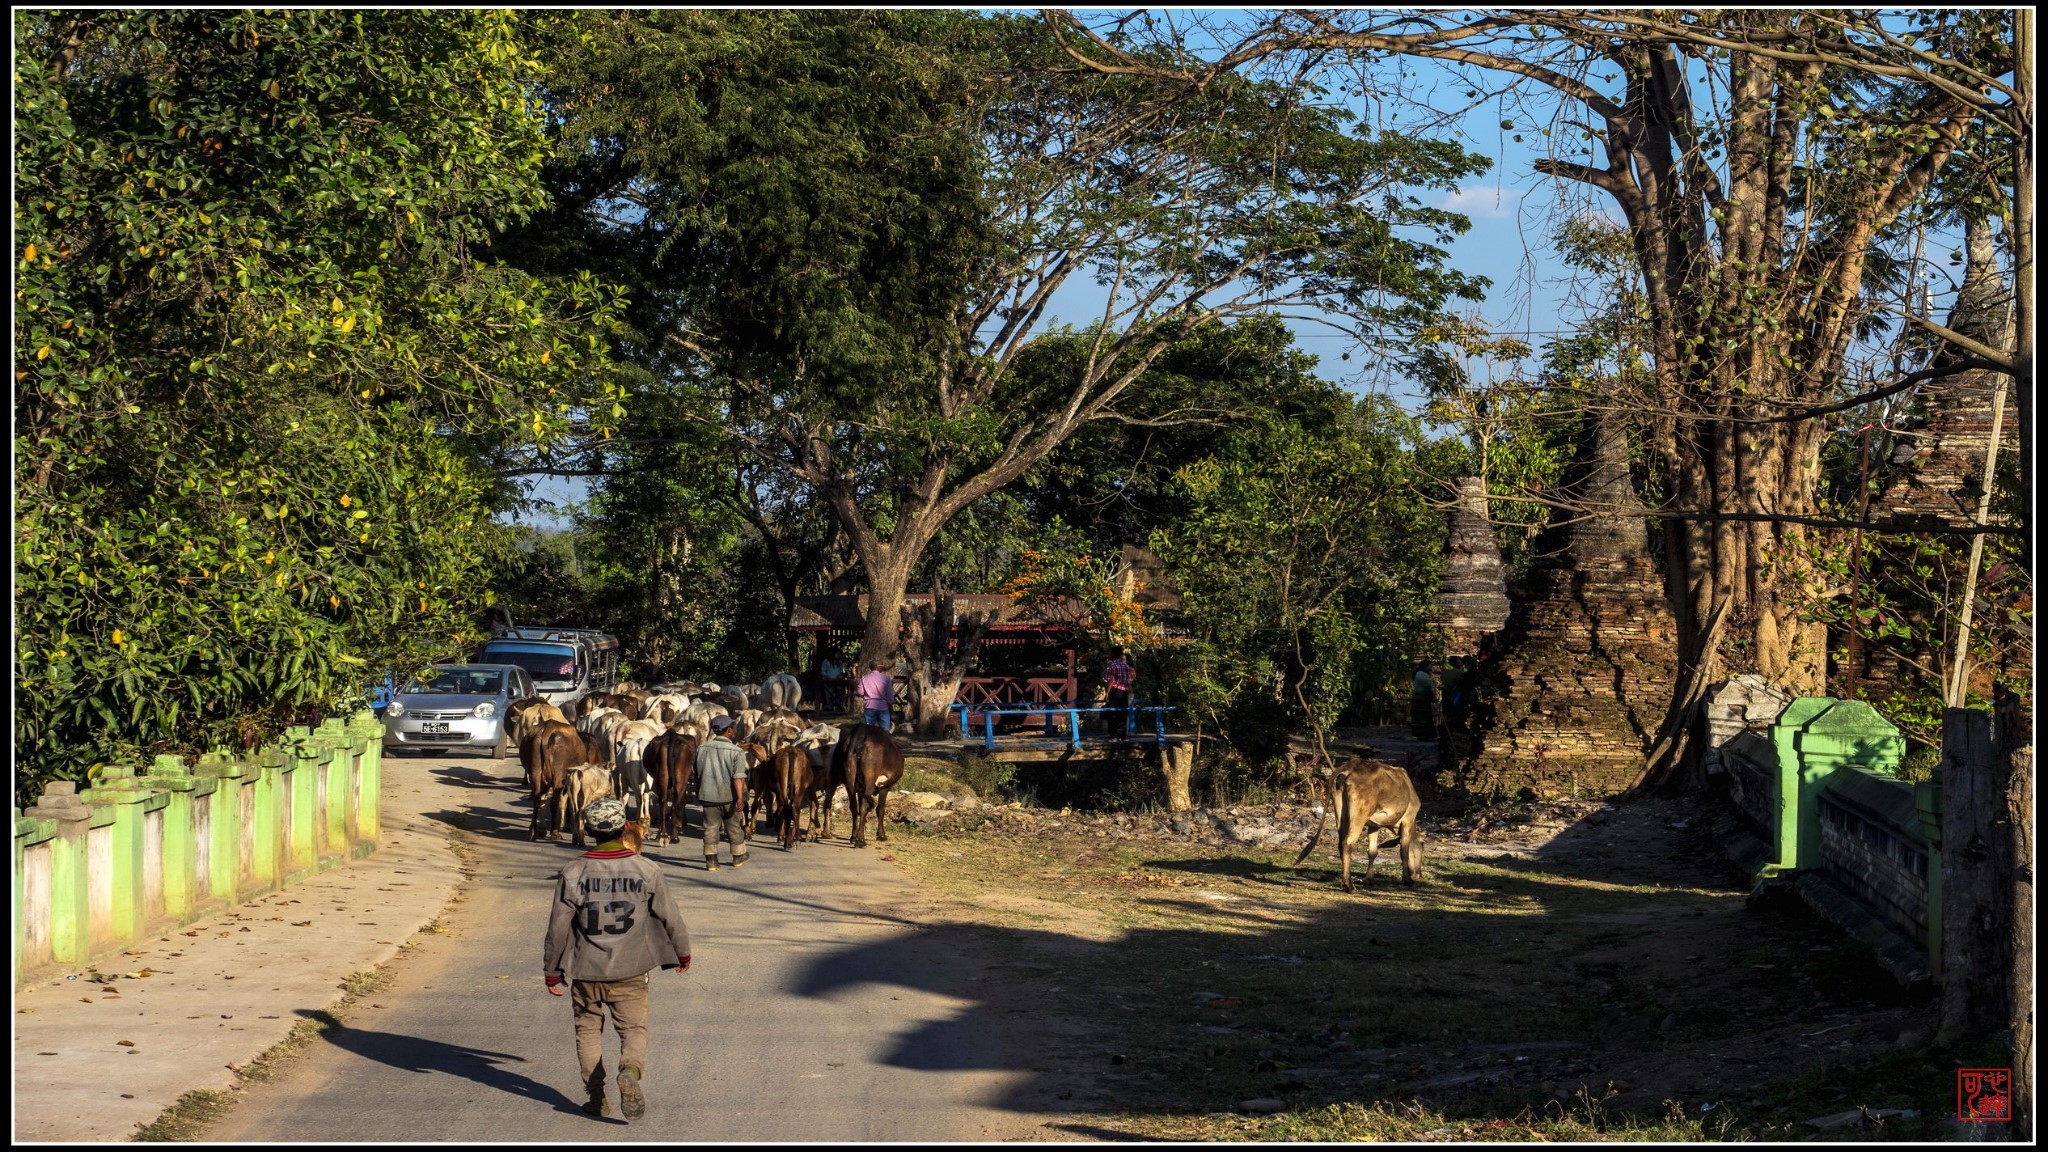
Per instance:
(429,727)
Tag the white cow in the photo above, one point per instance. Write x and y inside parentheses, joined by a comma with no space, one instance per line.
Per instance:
(701,711)
(665,709)
(782,691)
(629,774)
(589,722)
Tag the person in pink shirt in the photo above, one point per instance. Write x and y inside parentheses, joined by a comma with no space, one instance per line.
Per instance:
(877,692)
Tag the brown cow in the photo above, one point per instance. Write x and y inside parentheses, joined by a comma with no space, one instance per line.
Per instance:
(549,752)
(792,781)
(1371,798)
(866,763)
(760,782)
(525,714)
(669,758)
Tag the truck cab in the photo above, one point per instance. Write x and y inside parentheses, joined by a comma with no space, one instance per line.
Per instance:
(566,664)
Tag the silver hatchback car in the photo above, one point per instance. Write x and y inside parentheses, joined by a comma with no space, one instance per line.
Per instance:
(459,706)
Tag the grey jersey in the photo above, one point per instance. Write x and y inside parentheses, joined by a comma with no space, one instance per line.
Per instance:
(613,919)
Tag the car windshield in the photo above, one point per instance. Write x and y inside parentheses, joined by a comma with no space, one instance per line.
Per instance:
(550,665)
(461,682)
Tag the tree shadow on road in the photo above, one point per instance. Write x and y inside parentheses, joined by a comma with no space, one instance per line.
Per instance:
(419,1054)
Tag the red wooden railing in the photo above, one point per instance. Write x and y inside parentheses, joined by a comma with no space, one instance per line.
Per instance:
(978,692)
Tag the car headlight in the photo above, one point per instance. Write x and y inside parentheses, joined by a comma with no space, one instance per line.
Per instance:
(486,710)
(396,709)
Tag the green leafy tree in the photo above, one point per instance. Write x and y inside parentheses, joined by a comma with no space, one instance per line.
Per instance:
(1299,553)
(260,349)
(852,225)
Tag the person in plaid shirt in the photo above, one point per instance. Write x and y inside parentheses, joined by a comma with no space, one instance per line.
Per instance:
(1118,677)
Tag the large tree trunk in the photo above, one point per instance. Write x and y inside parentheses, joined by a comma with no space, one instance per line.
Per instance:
(936,665)
(888,572)
(1177,763)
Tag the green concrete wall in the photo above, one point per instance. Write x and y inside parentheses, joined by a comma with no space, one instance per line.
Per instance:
(311,799)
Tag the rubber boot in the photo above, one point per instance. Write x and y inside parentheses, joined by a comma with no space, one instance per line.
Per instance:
(595,1105)
(631,1102)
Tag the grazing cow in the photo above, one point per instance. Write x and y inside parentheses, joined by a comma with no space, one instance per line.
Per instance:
(760,782)
(743,723)
(773,731)
(603,732)
(549,752)
(629,771)
(523,716)
(669,758)
(782,691)
(819,743)
(866,763)
(1371,798)
(586,720)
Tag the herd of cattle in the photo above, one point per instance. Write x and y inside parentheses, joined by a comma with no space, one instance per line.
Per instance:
(641,746)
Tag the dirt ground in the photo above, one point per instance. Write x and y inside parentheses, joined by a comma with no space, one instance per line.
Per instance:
(1562,970)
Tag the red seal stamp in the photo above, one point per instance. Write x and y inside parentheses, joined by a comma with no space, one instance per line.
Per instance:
(1984,1094)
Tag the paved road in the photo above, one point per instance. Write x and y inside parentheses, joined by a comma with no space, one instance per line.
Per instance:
(810,1011)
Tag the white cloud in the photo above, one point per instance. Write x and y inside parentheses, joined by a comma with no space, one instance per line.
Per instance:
(1478,200)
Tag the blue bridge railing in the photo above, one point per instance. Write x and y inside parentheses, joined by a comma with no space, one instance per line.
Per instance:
(1073,714)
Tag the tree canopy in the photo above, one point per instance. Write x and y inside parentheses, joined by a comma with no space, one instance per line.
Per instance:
(261,348)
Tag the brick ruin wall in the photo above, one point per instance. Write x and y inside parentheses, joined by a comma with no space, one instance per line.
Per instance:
(1588,667)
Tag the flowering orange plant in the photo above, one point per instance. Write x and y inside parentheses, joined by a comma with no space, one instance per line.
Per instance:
(1056,583)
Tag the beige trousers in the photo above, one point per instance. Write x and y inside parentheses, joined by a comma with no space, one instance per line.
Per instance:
(627,1000)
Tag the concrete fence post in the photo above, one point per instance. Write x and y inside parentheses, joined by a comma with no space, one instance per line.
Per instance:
(181,879)
(266,862)
(70,895)
(119,790)
(224,863)
(334,792)
(369,781)
(1972,994)
(303,766)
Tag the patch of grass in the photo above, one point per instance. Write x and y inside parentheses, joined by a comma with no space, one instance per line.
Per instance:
(988,777)
(1921,1079)
(1418,1123)
(191,1116)
(923,773)
(1481,1004)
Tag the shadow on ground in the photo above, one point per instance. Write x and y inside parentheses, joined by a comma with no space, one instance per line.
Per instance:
(428,1057)
(1616,972)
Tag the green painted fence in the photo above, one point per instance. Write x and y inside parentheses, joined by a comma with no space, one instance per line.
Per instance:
(1817,806)
(98,871)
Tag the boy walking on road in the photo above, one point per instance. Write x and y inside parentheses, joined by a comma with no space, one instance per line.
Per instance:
(614,921)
